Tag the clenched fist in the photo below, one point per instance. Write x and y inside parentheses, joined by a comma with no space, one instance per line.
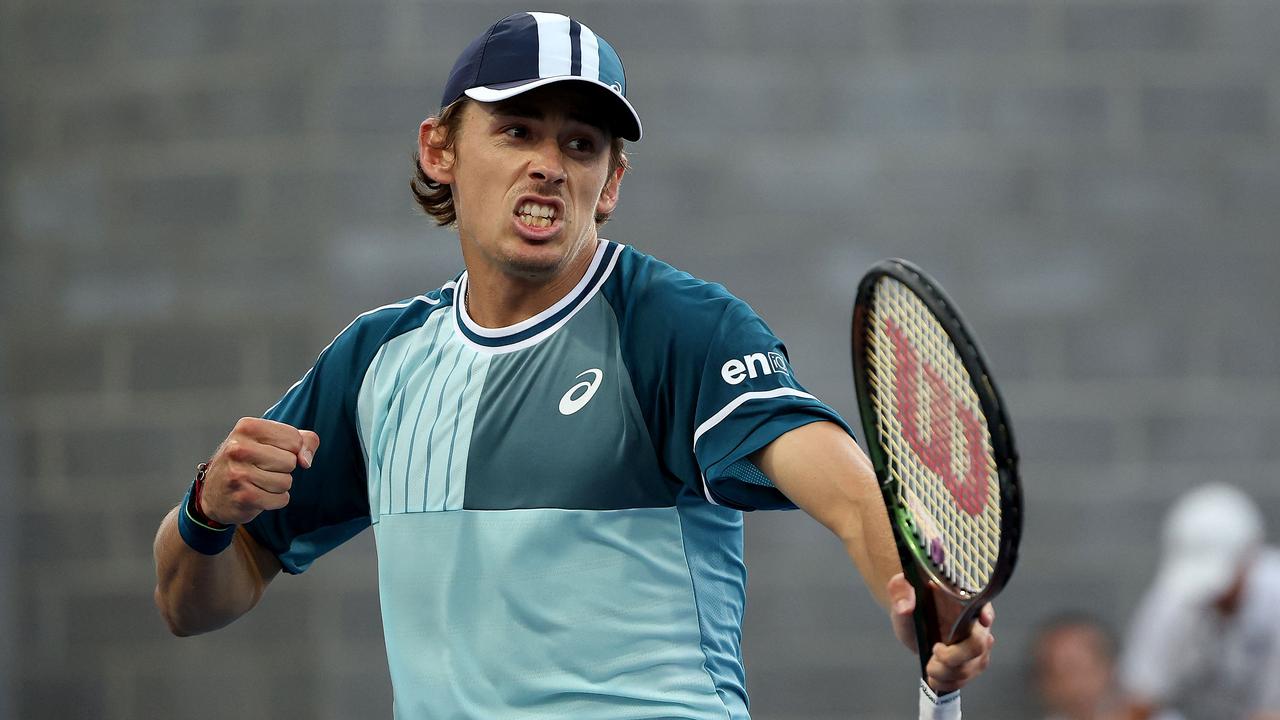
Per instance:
(251,471)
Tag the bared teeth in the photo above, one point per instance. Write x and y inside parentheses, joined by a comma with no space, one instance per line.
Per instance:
(536,210)
(536,214)
(535,221)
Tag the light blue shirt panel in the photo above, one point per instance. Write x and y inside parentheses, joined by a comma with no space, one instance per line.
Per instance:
(713,549)
(416,412)
(546,613)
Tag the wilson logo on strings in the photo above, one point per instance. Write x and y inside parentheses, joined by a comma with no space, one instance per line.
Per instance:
(935,451)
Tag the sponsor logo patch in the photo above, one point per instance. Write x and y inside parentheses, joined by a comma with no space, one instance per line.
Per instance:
(752,366)
(581,393)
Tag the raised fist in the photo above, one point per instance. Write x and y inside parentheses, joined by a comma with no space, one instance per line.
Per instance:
(251,471)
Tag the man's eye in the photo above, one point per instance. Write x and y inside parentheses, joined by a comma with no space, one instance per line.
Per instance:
(517,131)
(584,145)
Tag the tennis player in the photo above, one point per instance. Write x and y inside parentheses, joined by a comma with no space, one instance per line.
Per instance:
(554,447)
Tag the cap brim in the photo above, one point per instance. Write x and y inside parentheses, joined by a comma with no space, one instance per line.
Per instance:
(627,120)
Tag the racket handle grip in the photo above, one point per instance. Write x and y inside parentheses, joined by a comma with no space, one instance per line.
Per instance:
(928,632)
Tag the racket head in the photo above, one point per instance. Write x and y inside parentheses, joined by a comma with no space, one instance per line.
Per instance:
(963,542)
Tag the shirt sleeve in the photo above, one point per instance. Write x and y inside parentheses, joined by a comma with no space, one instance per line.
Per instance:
(745,397)
(713,382)
(328,503)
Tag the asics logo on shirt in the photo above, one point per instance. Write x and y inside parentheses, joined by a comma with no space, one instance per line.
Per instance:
(753,366)
(584,391)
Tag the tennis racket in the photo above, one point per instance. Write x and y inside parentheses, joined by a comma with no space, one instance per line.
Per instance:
(940,442)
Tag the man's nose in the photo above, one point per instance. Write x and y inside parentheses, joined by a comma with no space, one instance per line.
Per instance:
(547,164)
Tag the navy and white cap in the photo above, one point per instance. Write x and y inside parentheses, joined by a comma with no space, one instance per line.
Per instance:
(530,49)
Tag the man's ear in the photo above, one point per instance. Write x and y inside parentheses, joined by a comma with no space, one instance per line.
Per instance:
(435,156)
(609,195)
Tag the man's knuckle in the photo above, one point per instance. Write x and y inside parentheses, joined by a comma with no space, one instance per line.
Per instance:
(247,494)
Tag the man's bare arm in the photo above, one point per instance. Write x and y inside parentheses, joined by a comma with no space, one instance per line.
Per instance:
(196,593)
(824,472)
(250,472)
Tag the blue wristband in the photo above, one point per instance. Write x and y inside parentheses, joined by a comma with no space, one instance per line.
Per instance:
(196,534)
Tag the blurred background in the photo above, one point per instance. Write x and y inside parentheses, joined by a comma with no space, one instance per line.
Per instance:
(198,196)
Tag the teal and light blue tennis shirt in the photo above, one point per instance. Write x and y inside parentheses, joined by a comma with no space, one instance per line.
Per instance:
(557,504)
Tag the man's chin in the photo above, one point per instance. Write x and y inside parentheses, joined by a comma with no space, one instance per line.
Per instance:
(536,262)
(539,261)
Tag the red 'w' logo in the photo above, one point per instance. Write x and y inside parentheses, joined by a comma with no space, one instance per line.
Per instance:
(935,450)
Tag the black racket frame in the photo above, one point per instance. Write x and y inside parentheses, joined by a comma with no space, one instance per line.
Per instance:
(918,568)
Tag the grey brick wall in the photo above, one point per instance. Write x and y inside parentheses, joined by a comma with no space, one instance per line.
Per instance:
(196,197)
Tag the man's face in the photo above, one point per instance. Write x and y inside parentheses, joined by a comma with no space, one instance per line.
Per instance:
(528,176)
(1074,670)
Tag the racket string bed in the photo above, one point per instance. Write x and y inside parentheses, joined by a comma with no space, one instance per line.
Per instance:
(957,521)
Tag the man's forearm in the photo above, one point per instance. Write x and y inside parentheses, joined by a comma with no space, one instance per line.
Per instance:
(824,472)
(196,593)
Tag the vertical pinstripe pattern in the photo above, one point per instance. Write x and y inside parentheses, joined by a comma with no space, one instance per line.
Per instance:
(406,385)
(590,54)
(395,392)
(384,397)
(413,384)
(464,429)
(554,51)
(415,470)
(434,466)
(416,411)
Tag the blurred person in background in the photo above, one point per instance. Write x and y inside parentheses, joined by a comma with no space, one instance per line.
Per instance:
(1206,636)
(1074,662)
(554,447)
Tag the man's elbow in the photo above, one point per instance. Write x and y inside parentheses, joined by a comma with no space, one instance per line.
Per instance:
(169,613)
(183,620)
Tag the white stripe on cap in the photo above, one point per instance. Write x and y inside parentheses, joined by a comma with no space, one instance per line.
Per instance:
(555,53)
(590,54)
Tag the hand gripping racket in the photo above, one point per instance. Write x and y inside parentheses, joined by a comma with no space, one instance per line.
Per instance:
(940,442)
